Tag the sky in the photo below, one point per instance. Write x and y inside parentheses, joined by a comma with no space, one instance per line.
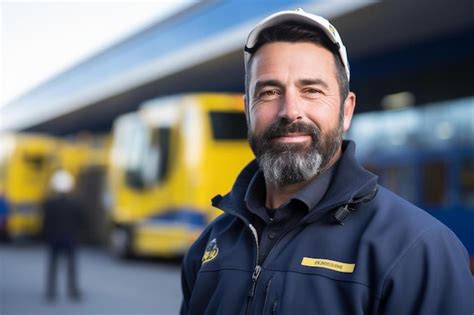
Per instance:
(39,39)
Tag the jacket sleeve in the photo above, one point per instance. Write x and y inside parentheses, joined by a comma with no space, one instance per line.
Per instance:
(188,276)
(189,270)
(431,277)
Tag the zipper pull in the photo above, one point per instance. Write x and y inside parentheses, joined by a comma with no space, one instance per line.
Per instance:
(255,275)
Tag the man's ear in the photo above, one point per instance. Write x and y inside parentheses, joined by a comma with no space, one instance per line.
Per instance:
(349,106)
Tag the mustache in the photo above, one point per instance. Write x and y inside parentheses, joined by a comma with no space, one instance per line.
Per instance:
(281,128)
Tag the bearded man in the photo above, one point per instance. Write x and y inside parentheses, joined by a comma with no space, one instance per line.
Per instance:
(305,229)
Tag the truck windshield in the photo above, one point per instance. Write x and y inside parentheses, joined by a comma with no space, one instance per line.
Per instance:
(228,125)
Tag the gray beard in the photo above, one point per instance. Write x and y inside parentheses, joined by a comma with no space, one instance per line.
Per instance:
(288,167)
(290,163)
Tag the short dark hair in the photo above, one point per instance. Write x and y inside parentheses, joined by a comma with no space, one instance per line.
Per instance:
(297,32)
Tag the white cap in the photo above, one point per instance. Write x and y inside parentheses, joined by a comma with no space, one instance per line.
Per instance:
(62,182)
(297,15)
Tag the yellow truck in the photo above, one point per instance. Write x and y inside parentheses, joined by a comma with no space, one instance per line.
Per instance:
(167,161)
(26,164)
(27,161)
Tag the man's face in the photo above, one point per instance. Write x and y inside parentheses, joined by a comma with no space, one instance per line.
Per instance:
(293,111)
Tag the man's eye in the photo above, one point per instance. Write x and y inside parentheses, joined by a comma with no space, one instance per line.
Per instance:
(268,94)
(312,91)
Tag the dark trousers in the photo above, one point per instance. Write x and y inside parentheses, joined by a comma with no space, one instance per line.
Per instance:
(68,252)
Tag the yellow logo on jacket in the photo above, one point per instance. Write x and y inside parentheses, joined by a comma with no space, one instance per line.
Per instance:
(211,251)
(327,264)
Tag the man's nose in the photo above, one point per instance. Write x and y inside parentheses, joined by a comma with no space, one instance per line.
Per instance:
(291,108)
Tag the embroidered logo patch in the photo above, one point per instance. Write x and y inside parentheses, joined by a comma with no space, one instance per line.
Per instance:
(327,264)
(211,251)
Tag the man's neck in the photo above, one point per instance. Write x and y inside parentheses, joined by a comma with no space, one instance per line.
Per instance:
(278,195)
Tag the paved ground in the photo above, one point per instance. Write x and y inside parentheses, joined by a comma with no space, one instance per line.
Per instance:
(109,286)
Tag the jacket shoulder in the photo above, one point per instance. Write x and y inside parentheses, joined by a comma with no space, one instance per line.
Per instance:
(403,214)
(421,256)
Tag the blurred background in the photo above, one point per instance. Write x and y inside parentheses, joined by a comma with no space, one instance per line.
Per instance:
(141,102)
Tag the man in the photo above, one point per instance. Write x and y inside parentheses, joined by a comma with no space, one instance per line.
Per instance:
(61,223)
(307,230)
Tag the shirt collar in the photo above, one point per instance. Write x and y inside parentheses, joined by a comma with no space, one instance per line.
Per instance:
(310,195)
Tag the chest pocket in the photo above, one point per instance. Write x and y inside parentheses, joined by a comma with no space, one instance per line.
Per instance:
(291,292)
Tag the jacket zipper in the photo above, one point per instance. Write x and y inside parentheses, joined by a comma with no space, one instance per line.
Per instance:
(258,268)
(255,274)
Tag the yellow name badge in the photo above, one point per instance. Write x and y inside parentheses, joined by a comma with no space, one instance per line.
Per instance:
(327,264)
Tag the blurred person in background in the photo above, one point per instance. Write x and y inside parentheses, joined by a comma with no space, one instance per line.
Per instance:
(62,220)
(306,229)
(3,217)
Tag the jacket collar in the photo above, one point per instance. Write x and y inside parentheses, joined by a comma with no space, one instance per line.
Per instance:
(351,184)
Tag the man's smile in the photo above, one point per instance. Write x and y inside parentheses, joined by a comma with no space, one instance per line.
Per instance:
(292,138)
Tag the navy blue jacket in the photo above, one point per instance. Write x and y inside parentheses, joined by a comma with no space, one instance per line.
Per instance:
(387,257)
